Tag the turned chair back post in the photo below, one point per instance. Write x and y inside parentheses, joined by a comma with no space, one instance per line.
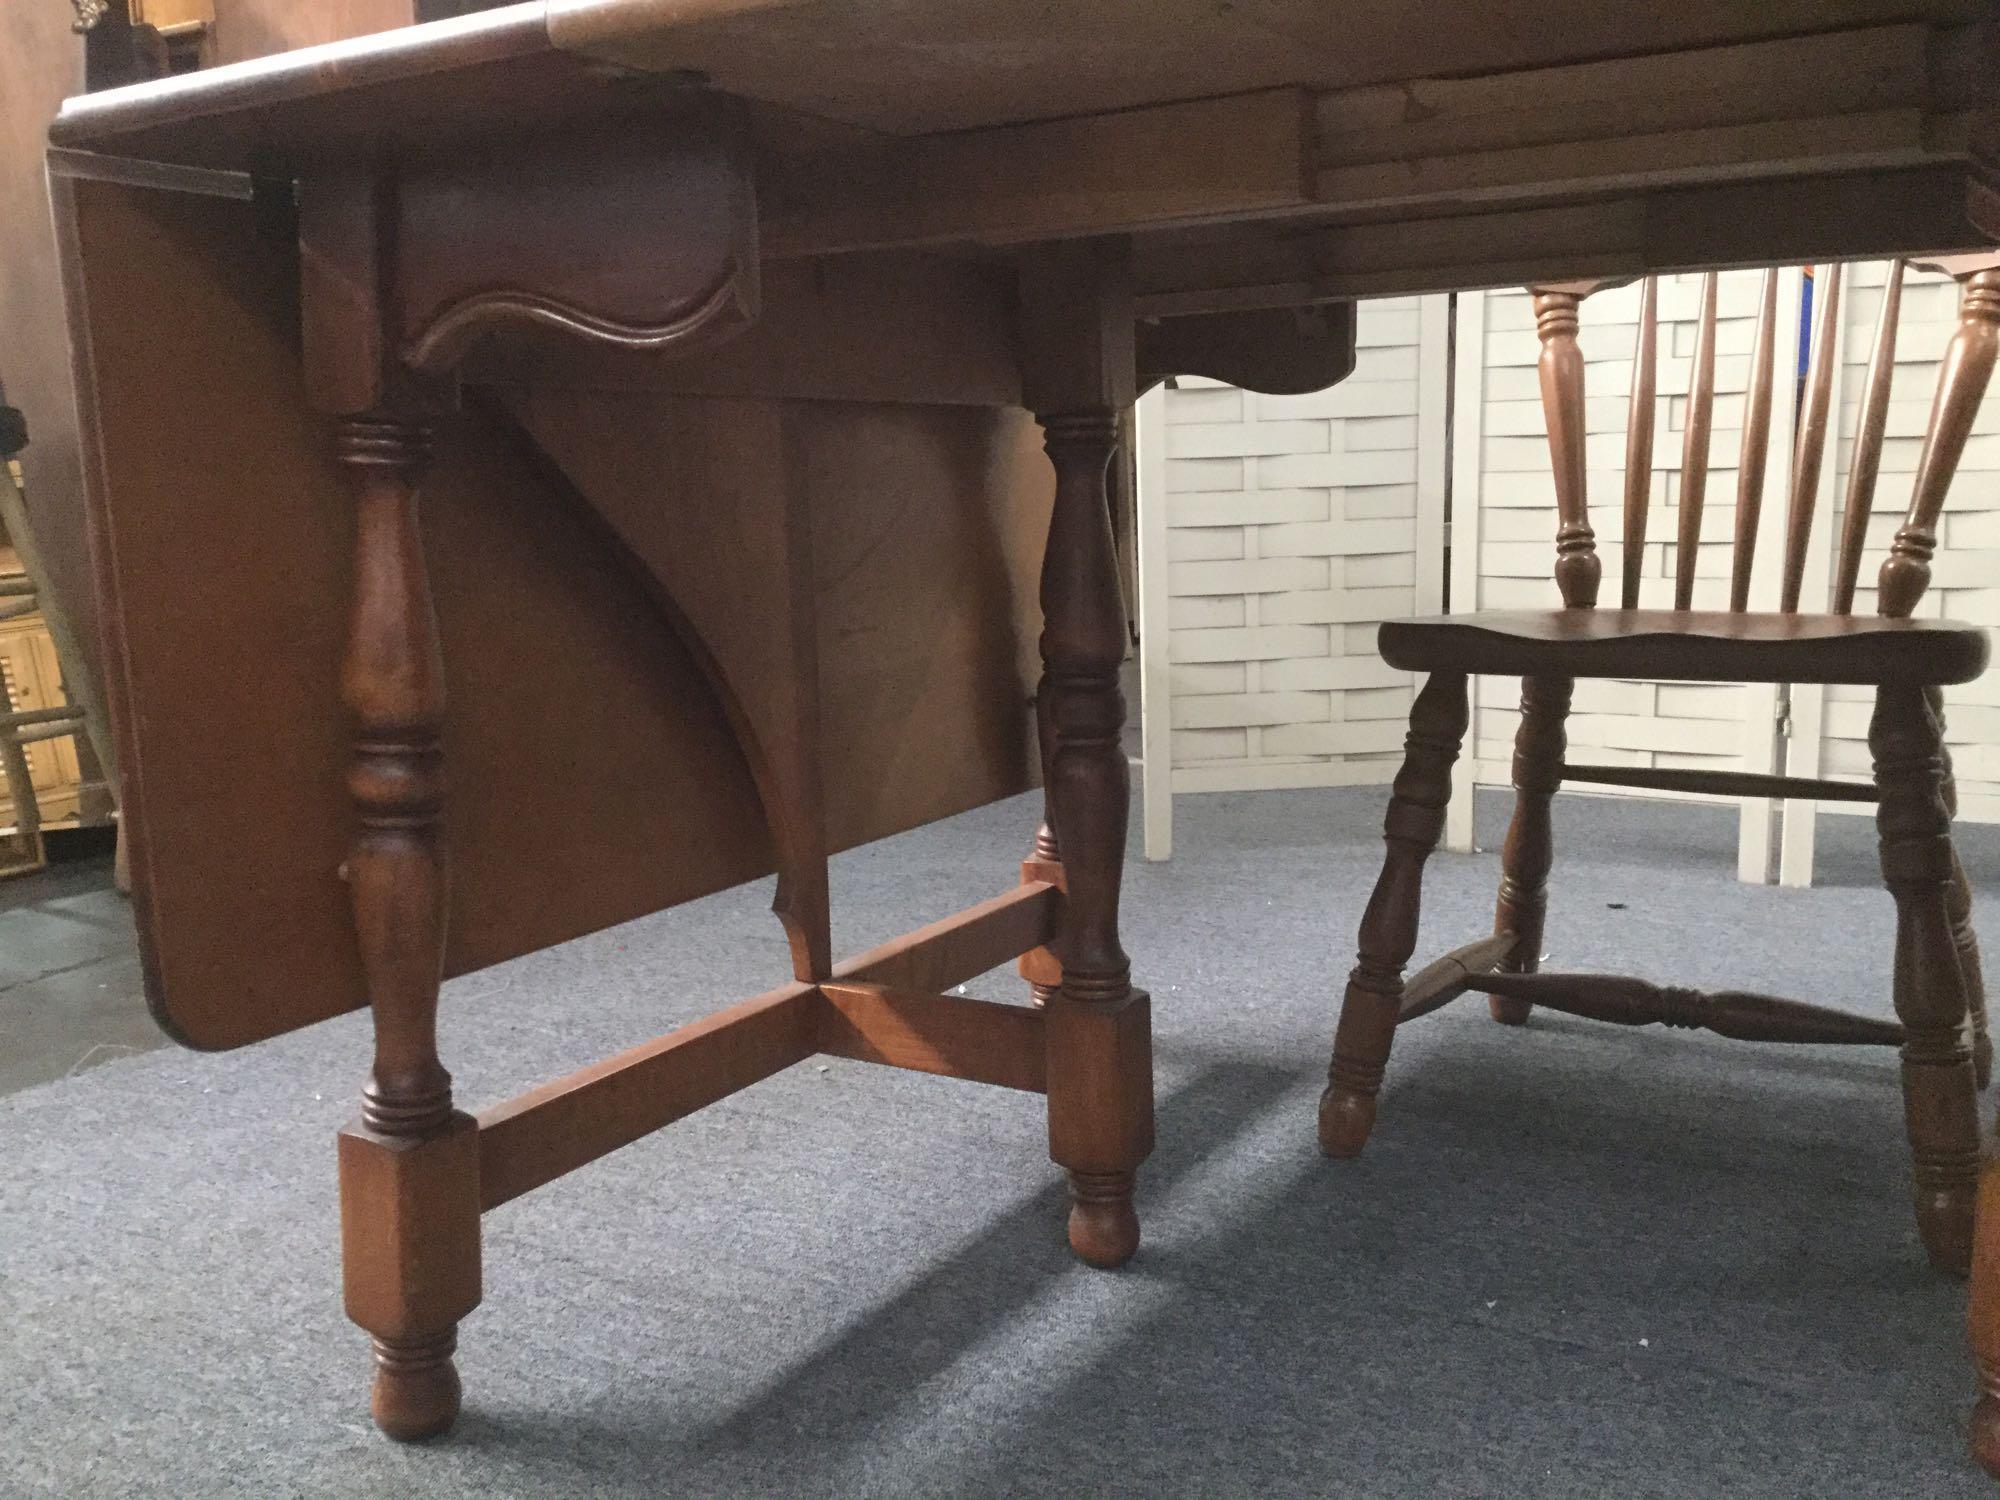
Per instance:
(1967,369)
(1968,366)
(1561,369)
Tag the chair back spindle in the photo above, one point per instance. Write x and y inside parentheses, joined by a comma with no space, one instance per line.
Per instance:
(1694,446)
(1639,441)
(1967,370)
(1968,366)
(1866,465)
(1756,443)
(1561,369)
(1810,450)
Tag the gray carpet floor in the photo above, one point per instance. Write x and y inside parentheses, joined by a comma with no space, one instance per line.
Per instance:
(1576,1261)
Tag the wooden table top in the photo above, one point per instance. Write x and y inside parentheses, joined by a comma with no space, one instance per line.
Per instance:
(1618,138)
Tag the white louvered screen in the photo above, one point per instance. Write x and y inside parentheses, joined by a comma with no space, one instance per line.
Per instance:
(1294,526)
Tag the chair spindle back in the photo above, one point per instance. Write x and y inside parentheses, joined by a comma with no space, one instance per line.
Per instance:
(1695,444)
(1962,381)
(1756,444)
(1639,441)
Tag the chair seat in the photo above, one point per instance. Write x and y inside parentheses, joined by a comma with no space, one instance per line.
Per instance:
(1689,645)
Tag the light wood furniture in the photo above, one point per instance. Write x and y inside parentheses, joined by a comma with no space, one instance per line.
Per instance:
(47,772)
(711,328)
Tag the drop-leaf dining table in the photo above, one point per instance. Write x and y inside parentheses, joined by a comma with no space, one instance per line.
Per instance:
(720,334)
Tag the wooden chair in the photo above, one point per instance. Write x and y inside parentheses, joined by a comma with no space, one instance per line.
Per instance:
(1907,661)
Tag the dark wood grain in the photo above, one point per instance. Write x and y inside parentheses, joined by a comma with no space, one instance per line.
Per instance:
(1373,1002)
(1865,463)
(1626,1001)
(1939,984)
(1639,440)
(1694,448)
(1689,645)
(552,1130)
(1561,371)
(1756,443)
(1528,853)
(1808,452)
(392,683)
(1968,367)
(951,1035)
(1078,372)
(1940,1103)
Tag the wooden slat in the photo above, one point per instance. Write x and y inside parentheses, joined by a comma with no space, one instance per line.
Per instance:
(1694,447)
(1732,1013)
(1819,144)
(1815,416)
(1720,783)
(1858,70)
(1860,215)
(1437,984)
(1756,444)
(1866,464)
(1098,174)
(560,1126)
(951,1035)
(960,947)
(1639,440)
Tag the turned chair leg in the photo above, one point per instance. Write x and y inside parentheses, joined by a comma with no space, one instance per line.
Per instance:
(1373,1002)
(1939,1092)
(1099,1028)
(409,1167)
(1983,1320)
(1529,853)
(1959,902)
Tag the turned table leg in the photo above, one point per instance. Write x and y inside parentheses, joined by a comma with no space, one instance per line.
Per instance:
(1100,1074)
(409,1167)
(1374,999)
(1529,852)
(1939,1096)
(1040,967)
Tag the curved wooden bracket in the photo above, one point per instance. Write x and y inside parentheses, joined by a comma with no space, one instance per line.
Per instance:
(640,236)
(1283,351)
(453,333)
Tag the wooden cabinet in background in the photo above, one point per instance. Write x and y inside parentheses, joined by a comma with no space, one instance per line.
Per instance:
(34,680)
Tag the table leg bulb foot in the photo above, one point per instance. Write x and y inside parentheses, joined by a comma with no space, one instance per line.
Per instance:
(417,1390)
(1984,1436)
(1103,1226)
(1944,1222)
(1509,1011)
(1345,1120)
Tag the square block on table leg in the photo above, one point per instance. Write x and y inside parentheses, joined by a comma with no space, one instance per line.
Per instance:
(409,1228)
(1100,1083)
